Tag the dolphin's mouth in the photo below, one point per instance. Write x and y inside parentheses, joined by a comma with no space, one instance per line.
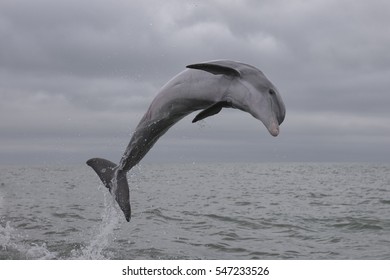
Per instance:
(273,129)
(272,125)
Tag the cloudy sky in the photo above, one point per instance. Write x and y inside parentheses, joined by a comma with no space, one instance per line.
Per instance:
(76,77)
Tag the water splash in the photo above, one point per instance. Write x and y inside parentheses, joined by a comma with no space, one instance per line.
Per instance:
(40,252)
(97,248)
(11,248)
(5,235)
(202,124)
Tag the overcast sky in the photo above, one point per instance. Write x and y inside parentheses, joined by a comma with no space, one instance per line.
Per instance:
(76,77)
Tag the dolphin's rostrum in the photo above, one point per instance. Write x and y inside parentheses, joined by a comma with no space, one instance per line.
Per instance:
(209,87)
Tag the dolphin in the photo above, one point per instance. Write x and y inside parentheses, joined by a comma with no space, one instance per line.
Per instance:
(208,86)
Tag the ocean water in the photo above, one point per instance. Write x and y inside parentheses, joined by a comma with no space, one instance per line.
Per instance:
(199,211)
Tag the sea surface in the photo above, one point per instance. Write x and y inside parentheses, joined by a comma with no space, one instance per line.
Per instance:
(199,211)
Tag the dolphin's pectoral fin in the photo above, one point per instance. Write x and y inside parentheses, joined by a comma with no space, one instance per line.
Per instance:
(212,110)
(215,68)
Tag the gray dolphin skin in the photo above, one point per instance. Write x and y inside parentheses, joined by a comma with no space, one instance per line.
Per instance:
(208,86)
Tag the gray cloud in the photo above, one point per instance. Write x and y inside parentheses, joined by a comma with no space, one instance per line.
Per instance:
(76,76)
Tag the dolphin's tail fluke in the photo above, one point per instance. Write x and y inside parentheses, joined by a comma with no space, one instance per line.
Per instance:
(115,180)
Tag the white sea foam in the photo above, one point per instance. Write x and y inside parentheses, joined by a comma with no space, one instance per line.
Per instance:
(22,250)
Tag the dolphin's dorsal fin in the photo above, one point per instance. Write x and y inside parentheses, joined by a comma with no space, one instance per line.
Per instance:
(216,68)
(212,110)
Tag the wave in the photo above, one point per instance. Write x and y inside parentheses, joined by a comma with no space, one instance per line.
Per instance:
(14,249)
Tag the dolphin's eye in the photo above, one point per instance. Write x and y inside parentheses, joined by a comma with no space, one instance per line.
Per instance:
(271,91)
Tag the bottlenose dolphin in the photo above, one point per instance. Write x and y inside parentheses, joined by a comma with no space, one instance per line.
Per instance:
(208,86)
